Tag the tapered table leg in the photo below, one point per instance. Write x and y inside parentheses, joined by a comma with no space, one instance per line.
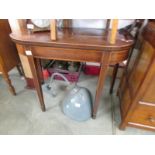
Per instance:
(8,81)
(34,65)
(6,76)
(101,81)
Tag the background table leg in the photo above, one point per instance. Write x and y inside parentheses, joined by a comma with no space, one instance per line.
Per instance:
(114,77)
(40,71)
(20,70)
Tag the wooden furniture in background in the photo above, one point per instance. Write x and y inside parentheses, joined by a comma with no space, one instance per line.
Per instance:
(72,44)
(8,54)
(137,89)
(136,28)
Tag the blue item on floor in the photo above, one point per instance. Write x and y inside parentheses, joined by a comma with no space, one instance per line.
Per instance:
(77,105)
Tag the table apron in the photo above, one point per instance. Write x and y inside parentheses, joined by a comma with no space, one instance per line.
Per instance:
(66,54)
(80,55)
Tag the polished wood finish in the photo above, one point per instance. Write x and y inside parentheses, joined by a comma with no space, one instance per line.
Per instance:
(73,44)
(8,54)
(104,67)
(144,114)
(37,82)
(137,88)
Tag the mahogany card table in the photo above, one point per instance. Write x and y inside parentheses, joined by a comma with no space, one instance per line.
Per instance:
(72,44)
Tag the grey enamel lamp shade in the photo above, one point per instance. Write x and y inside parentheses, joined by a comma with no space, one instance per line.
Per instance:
(77,105)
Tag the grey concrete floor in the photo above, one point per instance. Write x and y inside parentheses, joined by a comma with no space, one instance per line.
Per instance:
(21,114)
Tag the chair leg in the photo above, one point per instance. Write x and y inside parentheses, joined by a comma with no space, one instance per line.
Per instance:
(114,78)
(8,81)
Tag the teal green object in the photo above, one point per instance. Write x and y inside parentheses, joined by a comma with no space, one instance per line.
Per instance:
(78,105)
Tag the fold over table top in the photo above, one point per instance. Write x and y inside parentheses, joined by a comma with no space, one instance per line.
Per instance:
(85,38)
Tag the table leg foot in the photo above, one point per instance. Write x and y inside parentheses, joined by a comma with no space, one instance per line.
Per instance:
(122,126)
(94,116)
(8,81)
(43,108)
